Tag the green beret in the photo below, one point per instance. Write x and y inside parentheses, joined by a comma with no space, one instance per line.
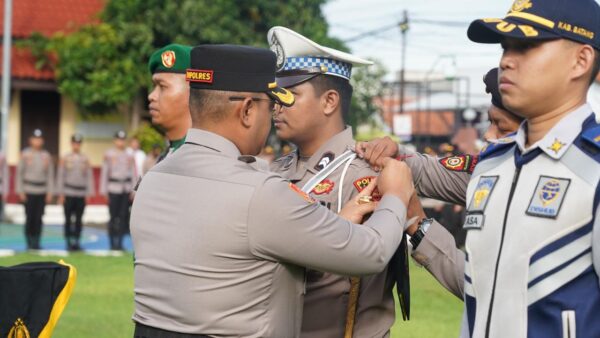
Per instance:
(172,58)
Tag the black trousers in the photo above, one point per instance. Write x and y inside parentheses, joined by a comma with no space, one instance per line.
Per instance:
(34,210)
(143,331)
(73,207)
(118,206)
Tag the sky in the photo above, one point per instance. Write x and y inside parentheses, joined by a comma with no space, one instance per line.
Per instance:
(436,39)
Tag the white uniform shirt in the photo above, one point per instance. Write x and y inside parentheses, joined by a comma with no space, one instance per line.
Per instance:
(531,213)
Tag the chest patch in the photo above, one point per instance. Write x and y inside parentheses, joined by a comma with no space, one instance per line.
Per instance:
(548,197)
(325,187)
(484,189)
(361,183)
(475,213)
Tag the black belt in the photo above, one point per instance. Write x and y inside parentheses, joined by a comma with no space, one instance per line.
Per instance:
(144,331)
(75,187)
(116,180)
(37,184)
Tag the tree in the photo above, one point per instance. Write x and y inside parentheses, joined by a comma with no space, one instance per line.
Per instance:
(103,67)
(367,83)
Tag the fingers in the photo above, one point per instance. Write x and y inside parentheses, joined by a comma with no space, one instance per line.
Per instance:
(368,190)
(360,149)
(367,208)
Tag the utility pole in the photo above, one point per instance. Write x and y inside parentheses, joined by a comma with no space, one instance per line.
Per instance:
(6,73)
(403,29)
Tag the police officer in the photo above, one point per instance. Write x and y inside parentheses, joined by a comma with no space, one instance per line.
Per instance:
(168,100)
(117,178)
(319,78)
(74,183)
(221,242)
(34,184)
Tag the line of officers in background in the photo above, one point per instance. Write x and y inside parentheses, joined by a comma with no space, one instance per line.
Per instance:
(36,185)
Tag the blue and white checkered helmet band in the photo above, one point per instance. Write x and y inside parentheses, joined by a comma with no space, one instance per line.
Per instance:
(334,67)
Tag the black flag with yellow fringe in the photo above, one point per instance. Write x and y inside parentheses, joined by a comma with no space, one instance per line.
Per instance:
(32,298)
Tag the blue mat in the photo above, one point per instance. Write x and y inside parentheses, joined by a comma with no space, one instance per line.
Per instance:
(12,237)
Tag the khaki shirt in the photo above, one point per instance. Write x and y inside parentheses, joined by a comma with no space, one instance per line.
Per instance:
(445,179)
(220,244)
(74,177)
(35,172)
(326,300)
(118,174)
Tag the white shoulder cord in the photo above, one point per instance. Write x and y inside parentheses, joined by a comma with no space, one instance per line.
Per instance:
(339,206)
(324,173)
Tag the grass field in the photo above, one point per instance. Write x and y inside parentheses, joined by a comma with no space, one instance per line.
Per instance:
(102,302)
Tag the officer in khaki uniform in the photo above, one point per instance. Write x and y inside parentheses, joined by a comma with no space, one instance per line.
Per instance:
(319,75)
(227,259)
(117,179)
(34,184)
(74,182)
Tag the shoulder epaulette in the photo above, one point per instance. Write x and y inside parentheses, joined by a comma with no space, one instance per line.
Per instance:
(592,136)
(497,146)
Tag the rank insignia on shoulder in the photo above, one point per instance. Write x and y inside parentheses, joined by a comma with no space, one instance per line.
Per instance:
(302,194)
(327,158)
(548,197)
(592,136)
(324,187)
(361,183)
(463,163)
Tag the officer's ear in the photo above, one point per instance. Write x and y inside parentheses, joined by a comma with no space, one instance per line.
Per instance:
(247,112)
(585,57)
(330,101)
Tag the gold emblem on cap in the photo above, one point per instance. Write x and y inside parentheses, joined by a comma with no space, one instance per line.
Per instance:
(520,5)
(168,58)
(324,69)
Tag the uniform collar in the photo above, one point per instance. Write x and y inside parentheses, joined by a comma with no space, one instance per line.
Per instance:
(213,141)
(560,137)
(331,149)
(175,144)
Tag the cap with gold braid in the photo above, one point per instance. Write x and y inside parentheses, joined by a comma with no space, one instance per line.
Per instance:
(576,20)
(237,69)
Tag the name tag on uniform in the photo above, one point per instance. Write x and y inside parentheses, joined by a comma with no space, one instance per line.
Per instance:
(475,212)
(474,221)
(548,197)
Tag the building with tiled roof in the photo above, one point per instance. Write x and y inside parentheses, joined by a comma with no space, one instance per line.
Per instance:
(35,101)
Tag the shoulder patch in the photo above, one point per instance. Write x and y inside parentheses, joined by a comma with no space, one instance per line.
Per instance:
(327,158)
(302,194)
(324,187)
(592,136)
(462,163)
(361,183)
